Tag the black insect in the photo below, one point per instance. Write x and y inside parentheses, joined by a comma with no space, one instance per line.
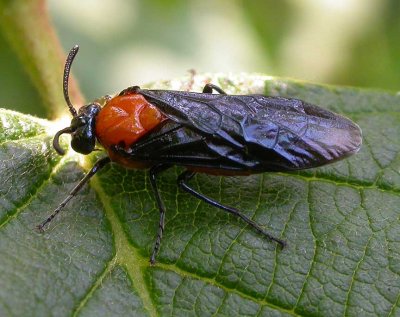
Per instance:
(217,134)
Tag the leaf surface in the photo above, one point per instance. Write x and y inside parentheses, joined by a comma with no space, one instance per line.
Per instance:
(341,223)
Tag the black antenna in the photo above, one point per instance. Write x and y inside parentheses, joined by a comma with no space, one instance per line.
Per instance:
(56,141)
(67,68)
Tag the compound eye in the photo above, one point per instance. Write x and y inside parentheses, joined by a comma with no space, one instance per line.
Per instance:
(78,122)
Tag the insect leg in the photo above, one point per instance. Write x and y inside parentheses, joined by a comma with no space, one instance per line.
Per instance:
(208,89)
(96,167)
(182,182)
(130,90)
(154,171)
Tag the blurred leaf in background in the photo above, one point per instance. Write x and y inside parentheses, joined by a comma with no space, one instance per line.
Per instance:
(345,42)
(17,90)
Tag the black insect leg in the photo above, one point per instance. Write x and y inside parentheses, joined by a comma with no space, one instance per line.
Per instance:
(154,171)
(96,167)
(130,90)
(208,89)
(182,182)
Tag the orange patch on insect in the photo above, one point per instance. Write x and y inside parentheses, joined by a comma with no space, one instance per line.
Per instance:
(124,119)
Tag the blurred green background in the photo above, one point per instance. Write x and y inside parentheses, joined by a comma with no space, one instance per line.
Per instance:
(126,42)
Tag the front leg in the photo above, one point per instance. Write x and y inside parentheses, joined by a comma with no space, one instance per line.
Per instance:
(96,167)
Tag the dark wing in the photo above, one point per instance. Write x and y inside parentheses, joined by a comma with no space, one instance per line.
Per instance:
(283,134)
(172,143)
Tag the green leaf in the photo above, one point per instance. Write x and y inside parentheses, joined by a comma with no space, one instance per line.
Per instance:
(341,223)
(29,31)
